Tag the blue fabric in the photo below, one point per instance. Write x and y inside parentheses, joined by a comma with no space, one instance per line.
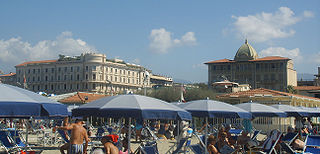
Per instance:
(289,137)
(197,149)
(313,140)
(235,131)
(4,138)
(247,124)
(312,150)
(20,103)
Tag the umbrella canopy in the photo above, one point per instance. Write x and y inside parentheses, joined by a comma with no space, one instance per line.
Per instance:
(21,103)
(291,110)
(260,110)
(135,106)
(211,108)
(312,112)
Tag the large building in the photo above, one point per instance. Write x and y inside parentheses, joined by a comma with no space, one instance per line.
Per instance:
(268,72)
(88,72)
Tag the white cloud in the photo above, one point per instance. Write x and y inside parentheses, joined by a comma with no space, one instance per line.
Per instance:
(15,51)
(200,66)
(308,14)
(162,41)
(283,52)
(265,26)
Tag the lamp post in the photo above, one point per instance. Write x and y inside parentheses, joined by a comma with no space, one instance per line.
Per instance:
(146,76)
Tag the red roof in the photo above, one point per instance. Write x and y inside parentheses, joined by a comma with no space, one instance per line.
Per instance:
(37,62)
(307,87)
(270,58)
(79,97)
(10,74)
(263,92)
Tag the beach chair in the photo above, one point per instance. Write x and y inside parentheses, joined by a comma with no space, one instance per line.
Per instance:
(63,135)
(7,142)
(182,146)
(235,133)
(255,134)
(149,148)
(270,143)
(200,147)
(312,144)
(289,138)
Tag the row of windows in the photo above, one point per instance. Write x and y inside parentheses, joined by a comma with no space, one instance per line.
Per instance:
(244,67)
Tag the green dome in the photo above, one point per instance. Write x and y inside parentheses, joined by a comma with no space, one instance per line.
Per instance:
(246,52)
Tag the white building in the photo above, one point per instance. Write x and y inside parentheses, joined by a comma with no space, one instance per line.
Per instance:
(88,72)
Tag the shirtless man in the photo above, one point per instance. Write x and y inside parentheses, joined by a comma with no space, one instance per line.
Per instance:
(78,135)
(109,146)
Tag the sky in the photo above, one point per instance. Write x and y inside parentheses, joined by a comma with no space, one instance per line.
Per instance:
(171,37)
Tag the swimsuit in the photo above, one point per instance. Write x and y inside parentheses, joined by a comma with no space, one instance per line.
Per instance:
(76,148)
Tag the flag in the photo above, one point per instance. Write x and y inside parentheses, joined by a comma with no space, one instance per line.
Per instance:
(24,81)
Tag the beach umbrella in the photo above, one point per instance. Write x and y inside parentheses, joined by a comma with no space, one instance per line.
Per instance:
(292,111)
(137,106)
(16,102)
(261,110)
(313,112)
(212,108)
(131,106)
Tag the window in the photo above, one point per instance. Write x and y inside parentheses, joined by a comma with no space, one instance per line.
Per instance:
(51,78)
(87,68)
(52,87)
(78,68)
(70,86)
(59,69)
(94,86)
(39,70)
(33,79)
(65,77)
(38,78)
(58,77)
(94,68)
(86,76)
(46,79)
(77,86)
(46,70)
(65,86)
(71,77)
(28,71)
(45,87)
(52,70)
(78,77)
(65,69)
(34,70)
(94,76)
(71,69)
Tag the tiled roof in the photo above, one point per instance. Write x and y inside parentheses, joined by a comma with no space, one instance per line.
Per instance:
(307,87)
(10,74)
(263,92)
(220,61)
(270,58)
(37,62)
(79,97)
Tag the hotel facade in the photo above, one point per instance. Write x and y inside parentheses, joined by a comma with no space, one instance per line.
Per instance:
(273,72)
(88,72)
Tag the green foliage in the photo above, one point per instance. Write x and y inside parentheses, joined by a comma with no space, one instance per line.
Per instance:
(173,94)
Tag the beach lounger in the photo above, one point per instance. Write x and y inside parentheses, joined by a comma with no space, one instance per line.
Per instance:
(289,138)
(312,144)
(255,134)
(270,143)
(7,142)
(182,146)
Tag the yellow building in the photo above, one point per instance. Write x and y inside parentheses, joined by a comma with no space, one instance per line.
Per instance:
(272,72)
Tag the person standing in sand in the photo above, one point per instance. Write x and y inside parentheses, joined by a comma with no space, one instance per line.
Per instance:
(78,135)
(109,146)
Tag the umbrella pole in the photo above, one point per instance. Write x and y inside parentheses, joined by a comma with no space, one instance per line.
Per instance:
(178,125)
(129,135)
(206,133)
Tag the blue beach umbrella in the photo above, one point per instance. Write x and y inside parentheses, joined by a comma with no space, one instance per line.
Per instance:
(135,106)
(292,111)
(260,110)
(212,108)
(16,102)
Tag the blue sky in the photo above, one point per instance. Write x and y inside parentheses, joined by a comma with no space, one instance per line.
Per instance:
(172,38)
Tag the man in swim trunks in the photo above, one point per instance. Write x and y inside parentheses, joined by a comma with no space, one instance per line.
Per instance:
(78,135)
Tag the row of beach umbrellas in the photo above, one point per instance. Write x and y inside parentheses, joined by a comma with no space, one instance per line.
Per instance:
(20,103)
